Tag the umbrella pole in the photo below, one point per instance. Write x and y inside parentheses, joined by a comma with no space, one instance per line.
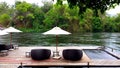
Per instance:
(10,38)
(56,43)
(56,54)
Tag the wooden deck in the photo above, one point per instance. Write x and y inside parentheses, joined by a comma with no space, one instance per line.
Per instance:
(16,57)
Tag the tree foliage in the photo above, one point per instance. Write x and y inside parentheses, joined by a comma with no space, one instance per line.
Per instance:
(95,5)
(30,15)
(5,14)
(55,17)
(23,14)
(33,18)
(5,19)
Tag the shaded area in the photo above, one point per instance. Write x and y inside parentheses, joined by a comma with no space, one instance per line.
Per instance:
(97,66)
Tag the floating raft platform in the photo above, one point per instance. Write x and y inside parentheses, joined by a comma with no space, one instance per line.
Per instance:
(18,57)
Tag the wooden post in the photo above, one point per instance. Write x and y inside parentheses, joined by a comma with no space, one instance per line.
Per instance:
(21,65)
(112,49)
(88,64)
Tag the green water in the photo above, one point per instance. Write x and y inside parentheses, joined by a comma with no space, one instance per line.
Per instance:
(76,39)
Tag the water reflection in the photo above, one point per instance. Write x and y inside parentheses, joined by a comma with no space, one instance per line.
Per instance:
(76,39)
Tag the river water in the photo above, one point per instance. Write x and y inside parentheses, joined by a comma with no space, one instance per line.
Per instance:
(76,39)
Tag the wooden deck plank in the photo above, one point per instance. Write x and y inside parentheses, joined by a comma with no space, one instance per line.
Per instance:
(18,56)
(15,57)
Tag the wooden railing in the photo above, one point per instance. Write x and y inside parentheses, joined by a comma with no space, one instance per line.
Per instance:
(112,49)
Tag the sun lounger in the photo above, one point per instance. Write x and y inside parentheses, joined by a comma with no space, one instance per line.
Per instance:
(72,54)
(2,47)
(39,54)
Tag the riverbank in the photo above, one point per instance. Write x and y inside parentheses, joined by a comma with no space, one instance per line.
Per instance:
(16,57)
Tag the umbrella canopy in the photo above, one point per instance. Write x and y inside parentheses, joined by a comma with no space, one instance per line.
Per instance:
(56,31)
(3,32)
(11,30)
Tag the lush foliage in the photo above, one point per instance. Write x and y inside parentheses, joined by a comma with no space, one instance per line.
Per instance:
(33,18)
(95,5)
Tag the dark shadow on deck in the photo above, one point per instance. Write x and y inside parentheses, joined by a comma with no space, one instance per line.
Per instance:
(91,66)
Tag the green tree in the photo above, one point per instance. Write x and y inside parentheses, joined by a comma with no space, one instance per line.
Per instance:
(23,15)
(96,25)
(73,18)
(55,17)
(38,13)
(116,22)
(86,21)
(4,7)
(109,25)
(31,16)
(5,19)
(47,6)
(6,13)
(95,5)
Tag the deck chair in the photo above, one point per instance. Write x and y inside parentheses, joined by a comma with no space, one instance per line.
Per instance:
(40,54)
(72,54)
